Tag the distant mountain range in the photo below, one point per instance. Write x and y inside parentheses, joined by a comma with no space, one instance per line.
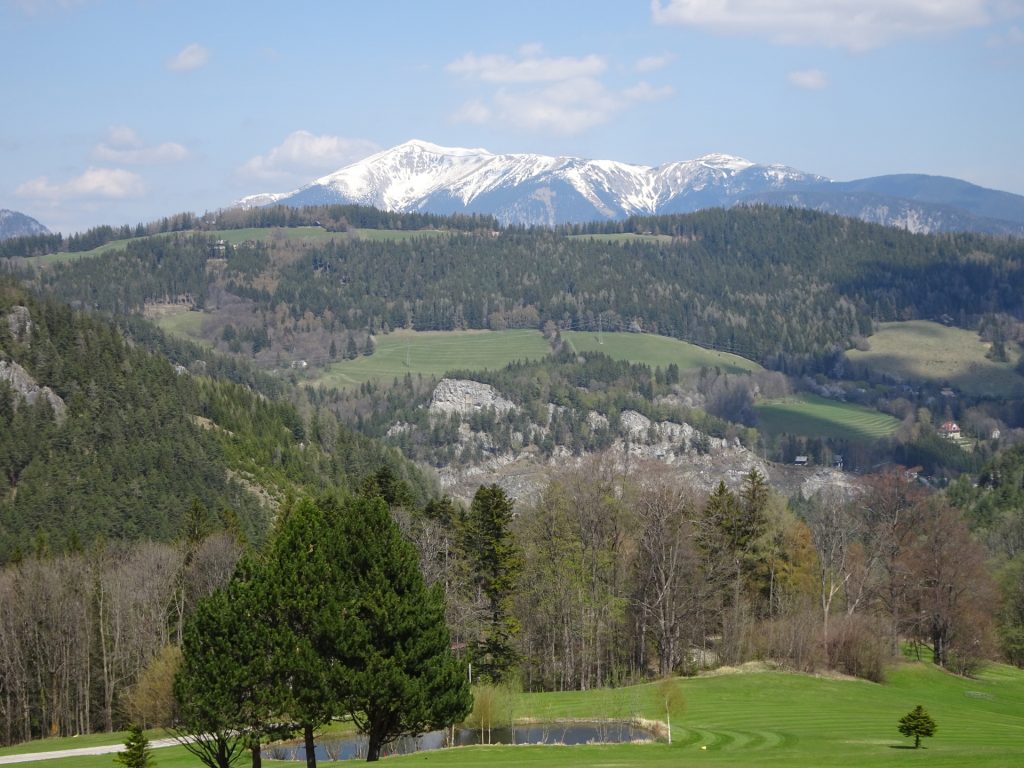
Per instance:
(14,224)
(536,189)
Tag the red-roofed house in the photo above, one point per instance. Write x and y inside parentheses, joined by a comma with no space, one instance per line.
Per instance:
(950,430)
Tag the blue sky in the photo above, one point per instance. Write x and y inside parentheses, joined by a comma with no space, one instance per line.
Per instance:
(120,112)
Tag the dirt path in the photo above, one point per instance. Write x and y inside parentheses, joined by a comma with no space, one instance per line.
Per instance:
(107,749)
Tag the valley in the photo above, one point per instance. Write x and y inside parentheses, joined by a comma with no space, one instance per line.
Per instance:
(616,384)
(633,397)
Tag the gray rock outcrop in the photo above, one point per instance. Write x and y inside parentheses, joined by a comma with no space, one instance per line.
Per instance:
(466,397)
(28,388)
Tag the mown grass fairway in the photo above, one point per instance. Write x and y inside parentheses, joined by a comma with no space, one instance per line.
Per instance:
(813,416)
(433,353)
(755,719)
(923,351)
(652,350)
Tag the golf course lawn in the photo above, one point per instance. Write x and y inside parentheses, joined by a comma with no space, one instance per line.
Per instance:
(759,718)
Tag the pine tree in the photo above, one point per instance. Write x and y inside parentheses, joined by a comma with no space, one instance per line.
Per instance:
(216,682)
(302,576)
(496,563)
(136,750)
(385,633)
(917,723)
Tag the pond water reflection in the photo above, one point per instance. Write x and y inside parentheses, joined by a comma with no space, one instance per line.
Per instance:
(569,733)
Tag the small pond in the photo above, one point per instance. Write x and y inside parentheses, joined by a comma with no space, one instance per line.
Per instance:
(569,733)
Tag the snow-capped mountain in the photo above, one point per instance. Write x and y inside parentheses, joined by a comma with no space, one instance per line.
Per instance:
(538,189)
(14,224)
(532,189)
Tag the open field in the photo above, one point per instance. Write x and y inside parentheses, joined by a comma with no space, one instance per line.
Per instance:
(761,718)
(178,320)
(814,416)
(923,351)
(432,353)
(655,350)
(236,236)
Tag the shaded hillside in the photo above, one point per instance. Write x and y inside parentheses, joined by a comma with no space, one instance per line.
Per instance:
(131,440)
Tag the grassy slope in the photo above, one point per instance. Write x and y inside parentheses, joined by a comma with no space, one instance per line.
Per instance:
(766,719)
(434,353)
(235,236)
(657,350)
(815,416)
(920,350)
(178,320)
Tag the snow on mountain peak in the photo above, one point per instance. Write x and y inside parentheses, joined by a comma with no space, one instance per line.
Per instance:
(724,162)
(528,188)
(426,146)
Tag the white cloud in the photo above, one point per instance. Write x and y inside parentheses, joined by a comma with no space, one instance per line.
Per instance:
(474,112)
(105,183)
(570,107)
(192,56)
(303,154)
(562,95)
(123,145)
(530,67)
(653,63)
(857,25)
(808,79)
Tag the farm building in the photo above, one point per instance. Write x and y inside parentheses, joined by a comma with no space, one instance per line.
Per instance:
(950,430)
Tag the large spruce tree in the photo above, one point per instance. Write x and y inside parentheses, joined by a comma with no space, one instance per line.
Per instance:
(390,652)
(496,562)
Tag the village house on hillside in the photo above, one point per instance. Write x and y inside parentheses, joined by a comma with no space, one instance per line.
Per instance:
(950,430)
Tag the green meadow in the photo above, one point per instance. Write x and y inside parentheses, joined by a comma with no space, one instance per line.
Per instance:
(653,350)
(923,351)
(752,719)
(814,416)
(433,353)
(180,321)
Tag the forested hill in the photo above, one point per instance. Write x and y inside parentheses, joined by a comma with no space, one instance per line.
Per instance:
(102,439)
(786,287)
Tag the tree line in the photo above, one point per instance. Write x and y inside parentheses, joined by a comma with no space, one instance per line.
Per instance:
(80,630)
(789,288)
(335,218)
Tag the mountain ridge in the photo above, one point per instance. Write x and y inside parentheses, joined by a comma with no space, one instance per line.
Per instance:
(532,189)
(17,224)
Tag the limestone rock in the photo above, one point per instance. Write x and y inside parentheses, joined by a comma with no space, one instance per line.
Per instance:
(19,321)
(28,388)
(466,397)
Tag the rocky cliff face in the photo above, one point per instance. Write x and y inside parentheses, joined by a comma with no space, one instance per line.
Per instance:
(466,397)
(522,466)
(27,388)
(19,323)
